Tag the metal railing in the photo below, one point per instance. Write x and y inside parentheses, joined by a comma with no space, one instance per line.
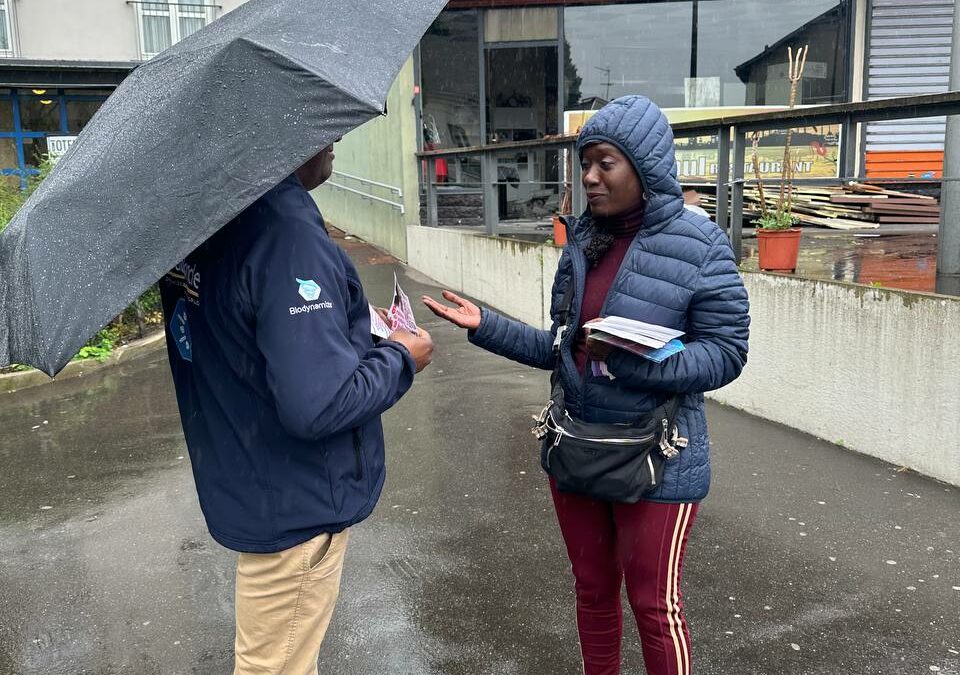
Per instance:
(731,132)
(367,181)
(366,195)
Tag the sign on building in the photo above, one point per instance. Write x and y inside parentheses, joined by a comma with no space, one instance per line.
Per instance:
(57,146)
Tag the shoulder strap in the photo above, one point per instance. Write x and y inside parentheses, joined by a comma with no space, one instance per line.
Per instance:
(566,303)
(563,316)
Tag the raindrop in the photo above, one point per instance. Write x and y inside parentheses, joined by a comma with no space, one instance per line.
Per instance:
(45,508)
(794,646)
(891,562)
(833,559)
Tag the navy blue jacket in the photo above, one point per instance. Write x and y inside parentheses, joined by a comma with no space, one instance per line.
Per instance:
(278,380)
(678,272)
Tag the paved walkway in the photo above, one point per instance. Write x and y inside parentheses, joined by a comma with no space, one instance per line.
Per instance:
(806,559)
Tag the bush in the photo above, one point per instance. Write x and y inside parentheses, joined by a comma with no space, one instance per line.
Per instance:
(12,197)
(132,323)
(100,346)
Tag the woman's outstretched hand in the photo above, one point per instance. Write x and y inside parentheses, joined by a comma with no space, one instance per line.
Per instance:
(465,314)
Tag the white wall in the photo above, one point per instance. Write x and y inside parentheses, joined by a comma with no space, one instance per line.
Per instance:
(513,276)
(72,30)
(81,30)
(875,370)
(872,369)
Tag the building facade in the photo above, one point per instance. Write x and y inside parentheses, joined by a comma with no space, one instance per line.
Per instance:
(507,70)
(491,71)
(60,59)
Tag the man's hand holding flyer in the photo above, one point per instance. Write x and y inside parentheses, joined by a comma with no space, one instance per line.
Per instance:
(399,316)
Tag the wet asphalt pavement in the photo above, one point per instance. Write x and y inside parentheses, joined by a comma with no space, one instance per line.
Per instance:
(806,559)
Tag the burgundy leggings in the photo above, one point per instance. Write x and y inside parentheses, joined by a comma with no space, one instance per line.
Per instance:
(642,543)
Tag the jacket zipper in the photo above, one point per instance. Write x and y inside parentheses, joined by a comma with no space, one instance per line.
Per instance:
(653,475)
(579,283)
(358,450)
(581,287)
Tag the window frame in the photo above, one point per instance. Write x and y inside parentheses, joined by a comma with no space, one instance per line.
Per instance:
(173,11)
(7,7)
(18,134)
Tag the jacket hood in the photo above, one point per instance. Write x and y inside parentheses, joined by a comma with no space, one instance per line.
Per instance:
(640,130)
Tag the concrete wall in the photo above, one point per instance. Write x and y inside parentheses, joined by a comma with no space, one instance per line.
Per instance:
(874,370)
(513,276)
(871,369)
(383,150)
(81,30)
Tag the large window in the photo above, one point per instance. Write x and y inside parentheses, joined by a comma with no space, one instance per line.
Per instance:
(450,75)
(163,24)
(706,53)
(29,116)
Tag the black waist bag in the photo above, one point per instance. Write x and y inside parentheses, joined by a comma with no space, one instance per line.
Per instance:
(607,462)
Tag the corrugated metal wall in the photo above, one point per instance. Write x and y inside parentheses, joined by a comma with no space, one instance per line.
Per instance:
(909,54)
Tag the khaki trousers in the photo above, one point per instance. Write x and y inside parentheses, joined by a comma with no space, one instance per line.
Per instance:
(285,601)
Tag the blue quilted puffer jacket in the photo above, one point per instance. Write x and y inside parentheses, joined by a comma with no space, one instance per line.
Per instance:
(678,272)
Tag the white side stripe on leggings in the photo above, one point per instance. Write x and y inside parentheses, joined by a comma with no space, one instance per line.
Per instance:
(674,617)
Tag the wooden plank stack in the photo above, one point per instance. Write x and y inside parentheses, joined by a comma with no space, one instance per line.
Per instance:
(853,206)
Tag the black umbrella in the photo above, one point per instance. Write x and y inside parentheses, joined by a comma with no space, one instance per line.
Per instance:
(189,140)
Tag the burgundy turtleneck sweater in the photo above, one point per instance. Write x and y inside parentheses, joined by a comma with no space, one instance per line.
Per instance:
(599,278)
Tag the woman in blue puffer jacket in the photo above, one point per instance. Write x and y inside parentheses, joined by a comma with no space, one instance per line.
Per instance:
(635,253)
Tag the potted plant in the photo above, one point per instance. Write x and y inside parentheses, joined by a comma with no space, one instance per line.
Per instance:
(778,240)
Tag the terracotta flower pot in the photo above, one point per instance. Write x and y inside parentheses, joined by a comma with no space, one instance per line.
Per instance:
(779,249)
(559,232)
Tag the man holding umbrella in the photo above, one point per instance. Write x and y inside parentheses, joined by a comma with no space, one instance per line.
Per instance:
(280,388)
(203,160)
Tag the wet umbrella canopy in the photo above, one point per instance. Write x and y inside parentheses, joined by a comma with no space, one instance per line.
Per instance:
(189,140)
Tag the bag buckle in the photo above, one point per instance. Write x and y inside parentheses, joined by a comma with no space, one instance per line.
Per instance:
(541,430)
(671,442)
(559,338)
